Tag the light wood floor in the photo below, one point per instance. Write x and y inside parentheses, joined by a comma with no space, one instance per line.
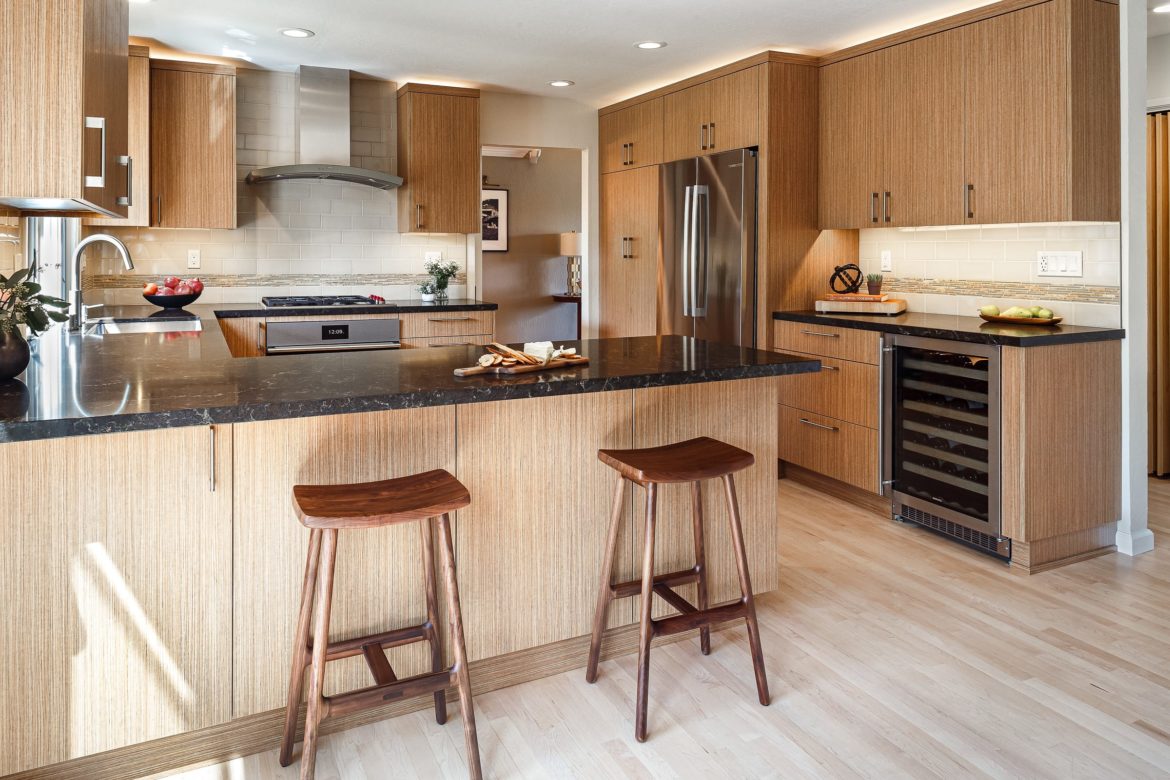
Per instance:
(890,653)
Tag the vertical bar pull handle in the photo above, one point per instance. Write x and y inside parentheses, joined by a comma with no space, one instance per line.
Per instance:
(701,239)
(97,123)
(688,250)
(886,205)
(873,196)
(631,146)
(211,428)
(969,200)
(159,223)
(703,137)
(418,221)
(127,162)
(711,137)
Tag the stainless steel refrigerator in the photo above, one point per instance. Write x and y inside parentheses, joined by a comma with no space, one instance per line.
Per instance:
(708,263)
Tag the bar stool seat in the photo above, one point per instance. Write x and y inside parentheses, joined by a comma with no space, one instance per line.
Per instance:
(687,461)
(692,461)
(374,504)
(428,499)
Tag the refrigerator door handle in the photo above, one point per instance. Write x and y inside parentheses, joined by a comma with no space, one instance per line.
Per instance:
(701,249)
(688,250)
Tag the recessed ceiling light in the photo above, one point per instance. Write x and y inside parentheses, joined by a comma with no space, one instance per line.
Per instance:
(297,32)
(1162,9)
(650,44)
(561,83)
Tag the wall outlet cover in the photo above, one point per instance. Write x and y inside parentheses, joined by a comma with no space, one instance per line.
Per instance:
(193,259)
(429,256)
(1053,263)
(887,260)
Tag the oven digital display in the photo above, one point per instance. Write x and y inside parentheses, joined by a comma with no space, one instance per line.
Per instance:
(334,332)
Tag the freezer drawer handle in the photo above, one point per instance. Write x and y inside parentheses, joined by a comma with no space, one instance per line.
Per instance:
(818,425)
(826,335)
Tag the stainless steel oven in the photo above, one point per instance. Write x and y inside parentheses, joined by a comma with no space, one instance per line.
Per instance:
(294,336)
(941,438)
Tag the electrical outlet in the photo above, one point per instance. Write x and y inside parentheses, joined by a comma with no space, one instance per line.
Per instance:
(193,260)
(887,260)
(429,256)
(1049,263)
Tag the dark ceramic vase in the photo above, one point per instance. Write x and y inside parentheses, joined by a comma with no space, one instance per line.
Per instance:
(14,354)
(875,288)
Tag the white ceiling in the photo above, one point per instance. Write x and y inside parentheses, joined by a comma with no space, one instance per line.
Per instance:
(1157,24)
(520,45)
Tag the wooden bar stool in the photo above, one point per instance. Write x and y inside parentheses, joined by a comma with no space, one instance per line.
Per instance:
(690,461)
(326,509)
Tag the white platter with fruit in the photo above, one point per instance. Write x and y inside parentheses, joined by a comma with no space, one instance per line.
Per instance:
(173,292)
(1020,315)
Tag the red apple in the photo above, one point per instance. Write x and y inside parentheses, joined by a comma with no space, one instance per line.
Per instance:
(172,282)
(150,288)
(183,289)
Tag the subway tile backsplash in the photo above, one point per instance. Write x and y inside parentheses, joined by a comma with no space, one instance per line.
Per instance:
(958,269)
(293,237)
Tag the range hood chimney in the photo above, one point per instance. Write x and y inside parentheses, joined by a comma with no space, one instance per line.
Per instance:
(322,131)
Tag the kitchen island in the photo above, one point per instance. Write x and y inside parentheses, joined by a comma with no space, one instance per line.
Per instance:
(153,561)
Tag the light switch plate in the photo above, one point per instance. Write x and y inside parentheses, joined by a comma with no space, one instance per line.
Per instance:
(1052,263)
(193,259)
(887,260)
(429,256)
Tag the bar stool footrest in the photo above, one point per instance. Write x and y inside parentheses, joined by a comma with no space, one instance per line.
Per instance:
(672,579)
(347,648)
(363,698)
(676,624)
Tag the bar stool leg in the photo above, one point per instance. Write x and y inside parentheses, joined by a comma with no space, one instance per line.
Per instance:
(296,678)
(645,629)
(433,633)
(320,648)
(700,563)
(463,678)
(745,583)
(605,582)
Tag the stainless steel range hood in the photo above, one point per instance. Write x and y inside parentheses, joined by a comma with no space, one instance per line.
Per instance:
(322,132)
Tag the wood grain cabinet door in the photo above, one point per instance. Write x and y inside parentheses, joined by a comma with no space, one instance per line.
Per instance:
(733,111)
(105,54)
(629,253)
(192,145)
(137,172)
(631,137)
(851,143)
(683,116)
(439,159)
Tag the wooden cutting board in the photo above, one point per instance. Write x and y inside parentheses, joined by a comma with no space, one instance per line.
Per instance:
(892,306)
(521,369)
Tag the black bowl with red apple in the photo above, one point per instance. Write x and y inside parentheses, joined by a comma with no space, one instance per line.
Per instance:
(173,292)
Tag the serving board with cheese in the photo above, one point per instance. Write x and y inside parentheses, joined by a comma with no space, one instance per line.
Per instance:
(537,356)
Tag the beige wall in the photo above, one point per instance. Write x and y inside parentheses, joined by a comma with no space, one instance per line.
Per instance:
(544,200)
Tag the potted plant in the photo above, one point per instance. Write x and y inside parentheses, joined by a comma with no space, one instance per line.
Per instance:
(426,291)
(441,272)
(21,303)
(873,282)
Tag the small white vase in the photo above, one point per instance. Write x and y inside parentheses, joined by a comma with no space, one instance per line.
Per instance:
(427,297)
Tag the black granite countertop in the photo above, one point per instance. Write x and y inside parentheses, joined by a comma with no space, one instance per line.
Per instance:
(955,328)
(89,384)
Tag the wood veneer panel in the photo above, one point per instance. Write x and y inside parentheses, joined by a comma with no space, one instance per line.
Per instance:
(379,579)
(741,413)
(1094,45)
(733,108)
(851,143)
(447,323)
(640,125)
(438,158)
(629,223)
(244,335)
(841,389)
(859,346)
(448,341)
(683,114)
(138,143)
(835,448)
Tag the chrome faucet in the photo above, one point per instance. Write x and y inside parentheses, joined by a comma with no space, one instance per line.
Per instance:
(76,307)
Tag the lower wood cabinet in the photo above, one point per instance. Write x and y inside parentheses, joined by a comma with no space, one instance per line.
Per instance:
(448,341)
(101,649)
(844,451)
(418,325)
(841,389)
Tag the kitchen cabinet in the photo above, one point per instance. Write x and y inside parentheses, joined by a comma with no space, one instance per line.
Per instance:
(117,560)
(714,116)
(138,142)
(943,129)
(192,145)
(63,106)
(629,253)
(441,323)
(438,159)
(631,137)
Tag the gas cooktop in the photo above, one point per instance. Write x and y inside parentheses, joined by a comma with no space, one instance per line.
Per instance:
(279,301)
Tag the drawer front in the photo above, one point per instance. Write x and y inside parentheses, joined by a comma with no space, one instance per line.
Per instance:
(448,323)
(828,446)
(841,389)
(447,341)
(860,346)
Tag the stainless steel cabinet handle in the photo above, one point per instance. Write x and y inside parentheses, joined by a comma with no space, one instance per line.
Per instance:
(127,162)
(969,201)
(826,335)
(97,123)
(212,477)
(818,425)
(631,147)
(873,207)
(449,319)
(160,221)
(886,205)
(624,147)
(418,223)
(711,137)
(630,256)
(703,137)
(829,368)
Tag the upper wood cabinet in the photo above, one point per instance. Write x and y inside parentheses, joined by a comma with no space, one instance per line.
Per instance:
(629,253)
(947,128)
(63,144)
(712,117)
(438,159)
(138,134)
(631,137)
(192,145)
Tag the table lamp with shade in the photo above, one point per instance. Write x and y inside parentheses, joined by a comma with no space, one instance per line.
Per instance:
(571,249)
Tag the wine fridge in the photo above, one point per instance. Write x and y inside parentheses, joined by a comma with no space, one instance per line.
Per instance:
(941,438)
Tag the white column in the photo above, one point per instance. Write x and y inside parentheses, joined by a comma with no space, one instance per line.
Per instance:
(1133,535)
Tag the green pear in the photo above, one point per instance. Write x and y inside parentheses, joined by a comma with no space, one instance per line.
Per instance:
(991,310)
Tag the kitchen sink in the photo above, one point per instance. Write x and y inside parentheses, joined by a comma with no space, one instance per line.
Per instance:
(116,327)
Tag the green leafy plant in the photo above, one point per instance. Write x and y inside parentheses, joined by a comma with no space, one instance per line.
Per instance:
(427,288)
(441,273)
(21,303)
(873,278)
